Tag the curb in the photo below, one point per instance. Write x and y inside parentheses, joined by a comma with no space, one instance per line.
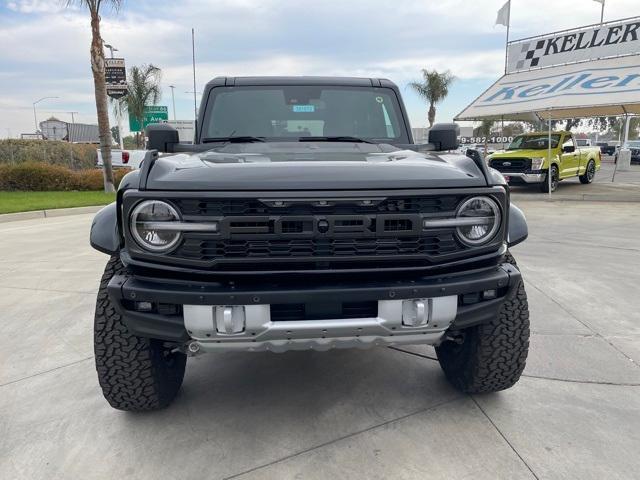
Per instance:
(51,213)
(586,197)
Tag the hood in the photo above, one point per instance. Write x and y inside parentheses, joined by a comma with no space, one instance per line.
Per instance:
(312,165)
(519,154)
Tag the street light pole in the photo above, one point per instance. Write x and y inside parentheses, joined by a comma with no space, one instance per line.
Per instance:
(35,117)
(173,100)
(111,48)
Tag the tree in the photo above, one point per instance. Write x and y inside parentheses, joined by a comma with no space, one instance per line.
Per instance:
(144,89)
(99,83)
(433,88)
(484,130)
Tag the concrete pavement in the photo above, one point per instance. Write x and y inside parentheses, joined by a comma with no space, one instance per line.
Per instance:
(382,413)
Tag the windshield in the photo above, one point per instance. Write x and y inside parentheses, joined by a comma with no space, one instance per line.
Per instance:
(634,144)
(534,142)
(294,112)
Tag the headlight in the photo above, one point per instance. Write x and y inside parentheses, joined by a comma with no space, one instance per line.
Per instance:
(479,220)
(536,163)
(151,228)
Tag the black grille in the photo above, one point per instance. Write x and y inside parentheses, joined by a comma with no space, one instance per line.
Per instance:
(434,244)
(511,164)
(320,234)
(241,206)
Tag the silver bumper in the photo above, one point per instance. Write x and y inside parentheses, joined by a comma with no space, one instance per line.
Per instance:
(249,327)
(526,177)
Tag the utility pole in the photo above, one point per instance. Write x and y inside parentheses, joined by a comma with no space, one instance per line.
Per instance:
(173,100)
(70,135)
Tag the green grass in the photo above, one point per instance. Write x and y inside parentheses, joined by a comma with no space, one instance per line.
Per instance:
(11,202)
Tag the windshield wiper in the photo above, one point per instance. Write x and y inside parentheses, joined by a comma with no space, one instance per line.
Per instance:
(334,139)
(238,139)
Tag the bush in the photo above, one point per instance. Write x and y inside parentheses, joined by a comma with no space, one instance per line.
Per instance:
(75,156)
(44,177)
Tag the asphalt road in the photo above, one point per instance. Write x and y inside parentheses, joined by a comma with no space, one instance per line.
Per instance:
(381,413)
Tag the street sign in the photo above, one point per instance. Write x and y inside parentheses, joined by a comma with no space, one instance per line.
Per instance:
(152,114)
(115,75)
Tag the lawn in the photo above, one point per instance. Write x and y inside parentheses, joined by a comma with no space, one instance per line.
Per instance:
(11,202)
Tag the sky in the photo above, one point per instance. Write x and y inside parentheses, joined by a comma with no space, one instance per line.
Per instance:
(44,46)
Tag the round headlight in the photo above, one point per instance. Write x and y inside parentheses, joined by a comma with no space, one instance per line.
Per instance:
(481,220)
(150,227)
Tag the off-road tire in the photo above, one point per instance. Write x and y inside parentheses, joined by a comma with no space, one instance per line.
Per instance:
(589,173)
(555,179)
(135,373)
(492,355)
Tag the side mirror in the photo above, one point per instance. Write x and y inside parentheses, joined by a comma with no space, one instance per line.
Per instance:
(568,149)
(444,136)
(162,137)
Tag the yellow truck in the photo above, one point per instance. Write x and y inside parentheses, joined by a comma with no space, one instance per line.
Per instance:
(526,160)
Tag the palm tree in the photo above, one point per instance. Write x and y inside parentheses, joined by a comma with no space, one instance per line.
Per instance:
(144,89)
(99,84)
(433,88)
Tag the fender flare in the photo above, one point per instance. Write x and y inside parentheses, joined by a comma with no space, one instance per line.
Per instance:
(104,235)
(518,229)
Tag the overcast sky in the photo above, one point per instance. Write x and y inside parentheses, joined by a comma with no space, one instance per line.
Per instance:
(44,47)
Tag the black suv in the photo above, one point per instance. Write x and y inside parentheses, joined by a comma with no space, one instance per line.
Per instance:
(304,217)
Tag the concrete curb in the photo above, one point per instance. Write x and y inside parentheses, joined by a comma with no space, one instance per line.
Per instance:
(586,197)
(54,212)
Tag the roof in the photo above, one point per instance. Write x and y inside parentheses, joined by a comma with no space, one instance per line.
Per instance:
(302,80)
(607,87)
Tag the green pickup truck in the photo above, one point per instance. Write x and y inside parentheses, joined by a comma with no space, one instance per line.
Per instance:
(526,160)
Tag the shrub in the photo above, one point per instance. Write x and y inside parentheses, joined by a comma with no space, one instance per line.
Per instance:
(75,156)
(44,177)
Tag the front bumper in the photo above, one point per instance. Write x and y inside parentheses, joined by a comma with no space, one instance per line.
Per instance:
(519,177)
(207,315)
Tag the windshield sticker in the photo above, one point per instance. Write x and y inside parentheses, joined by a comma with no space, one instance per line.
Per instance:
(304,108)
(379,99)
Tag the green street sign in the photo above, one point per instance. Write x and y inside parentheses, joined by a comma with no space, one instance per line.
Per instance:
(152,114)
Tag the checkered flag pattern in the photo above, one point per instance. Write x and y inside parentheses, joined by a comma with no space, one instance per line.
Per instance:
(530,55)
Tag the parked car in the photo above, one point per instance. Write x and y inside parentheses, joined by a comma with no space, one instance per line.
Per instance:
(527,160)
(477,152)
(123,158)
(606,149)
(312,222)
(634,146)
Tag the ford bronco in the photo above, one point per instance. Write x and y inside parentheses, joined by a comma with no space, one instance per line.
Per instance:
(304,217)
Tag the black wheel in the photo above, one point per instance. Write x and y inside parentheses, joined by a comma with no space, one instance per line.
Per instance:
(490,357)
(589,173)
(544,186)
(135,373)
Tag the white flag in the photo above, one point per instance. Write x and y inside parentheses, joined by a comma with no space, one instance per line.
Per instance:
(504,12)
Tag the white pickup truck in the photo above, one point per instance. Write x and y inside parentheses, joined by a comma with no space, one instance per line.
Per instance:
(124,158)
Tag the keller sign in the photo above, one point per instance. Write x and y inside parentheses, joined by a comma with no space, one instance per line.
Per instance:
(115,75)
(621,37)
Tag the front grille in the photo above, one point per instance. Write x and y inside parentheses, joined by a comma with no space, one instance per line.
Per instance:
(375,231)
(511,165)
(434,244)
(218,207)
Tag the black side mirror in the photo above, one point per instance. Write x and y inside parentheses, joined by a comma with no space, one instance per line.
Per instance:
(162,137)
(568,149)
(444,136)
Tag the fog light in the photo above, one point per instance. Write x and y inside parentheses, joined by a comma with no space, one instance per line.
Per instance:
(144,306)
(230,319)
(415,313)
